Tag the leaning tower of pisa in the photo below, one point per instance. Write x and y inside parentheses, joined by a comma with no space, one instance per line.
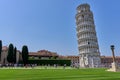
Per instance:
(87,39)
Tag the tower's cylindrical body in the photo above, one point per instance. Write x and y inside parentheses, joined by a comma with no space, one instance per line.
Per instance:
(87,39)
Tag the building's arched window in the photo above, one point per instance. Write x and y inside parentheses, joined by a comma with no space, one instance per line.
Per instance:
(88,42)
(82,16)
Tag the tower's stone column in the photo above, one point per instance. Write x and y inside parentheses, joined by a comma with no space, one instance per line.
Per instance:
(87,39)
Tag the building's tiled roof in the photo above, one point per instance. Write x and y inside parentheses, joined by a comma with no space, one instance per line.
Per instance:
(72,56)
(63,57)
(109,57)
(43,53)
(4,48)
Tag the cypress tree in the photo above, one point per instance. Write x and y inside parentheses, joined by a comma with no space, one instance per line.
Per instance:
(25,54)
(0,48)
(10,58)
(14,55)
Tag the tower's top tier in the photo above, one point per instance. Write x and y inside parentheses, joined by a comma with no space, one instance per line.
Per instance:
(83,7)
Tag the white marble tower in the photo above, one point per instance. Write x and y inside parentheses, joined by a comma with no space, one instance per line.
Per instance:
(87,39)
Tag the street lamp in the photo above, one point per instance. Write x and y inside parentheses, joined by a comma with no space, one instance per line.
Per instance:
(113,55)
(114,65)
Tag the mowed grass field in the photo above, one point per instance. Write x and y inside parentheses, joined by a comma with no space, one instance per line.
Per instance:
(58,74)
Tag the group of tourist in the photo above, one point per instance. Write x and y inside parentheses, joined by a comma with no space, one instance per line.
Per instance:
(32,66)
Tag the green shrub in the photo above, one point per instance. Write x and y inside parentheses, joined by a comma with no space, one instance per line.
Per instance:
(50,62)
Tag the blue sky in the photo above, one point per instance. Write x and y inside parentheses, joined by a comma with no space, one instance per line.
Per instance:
(50,24)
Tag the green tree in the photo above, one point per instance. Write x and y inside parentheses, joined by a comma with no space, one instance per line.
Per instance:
(25,54)
(14,55)
(0,48)
(10,58)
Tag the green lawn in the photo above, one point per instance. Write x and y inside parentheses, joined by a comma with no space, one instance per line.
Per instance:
(58,74)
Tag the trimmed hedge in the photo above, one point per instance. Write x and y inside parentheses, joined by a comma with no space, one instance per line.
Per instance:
(50,62)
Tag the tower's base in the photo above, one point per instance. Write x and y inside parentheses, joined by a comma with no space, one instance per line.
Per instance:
(89,61)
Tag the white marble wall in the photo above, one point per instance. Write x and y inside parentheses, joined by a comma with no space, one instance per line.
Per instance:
(87,39)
